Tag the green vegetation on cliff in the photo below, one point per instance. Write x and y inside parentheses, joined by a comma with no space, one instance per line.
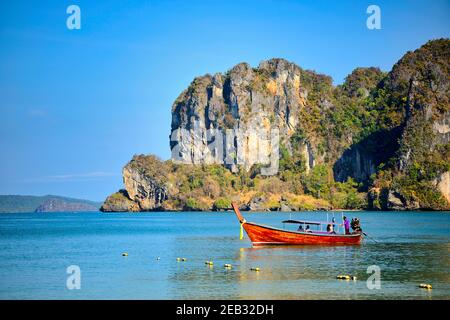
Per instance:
(213,187)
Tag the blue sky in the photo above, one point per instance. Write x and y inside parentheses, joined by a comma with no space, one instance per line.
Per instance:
(77,104)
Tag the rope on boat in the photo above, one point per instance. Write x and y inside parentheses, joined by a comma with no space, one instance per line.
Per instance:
(369,237)
(241,232)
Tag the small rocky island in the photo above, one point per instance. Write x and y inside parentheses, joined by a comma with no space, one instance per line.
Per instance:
(379,141)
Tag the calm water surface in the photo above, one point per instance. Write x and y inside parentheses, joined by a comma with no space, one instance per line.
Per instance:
(36,249)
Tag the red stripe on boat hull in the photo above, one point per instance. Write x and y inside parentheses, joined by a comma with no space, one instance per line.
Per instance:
(262,235)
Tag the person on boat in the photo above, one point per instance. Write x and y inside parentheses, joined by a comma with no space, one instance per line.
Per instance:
(307,228)
(300,228)
(356,225)
(346,226)
(330,228)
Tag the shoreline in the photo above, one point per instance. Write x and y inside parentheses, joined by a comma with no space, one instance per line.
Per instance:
(269,211)
(222,211)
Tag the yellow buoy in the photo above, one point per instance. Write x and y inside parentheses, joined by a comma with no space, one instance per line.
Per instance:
(183,259)
(254,269)
(210,263)
(227,265)
(343,277)
(425,286)
(178,259)
(125,254)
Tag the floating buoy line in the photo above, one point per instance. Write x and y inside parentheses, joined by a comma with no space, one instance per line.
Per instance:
(257,269)
(346,277)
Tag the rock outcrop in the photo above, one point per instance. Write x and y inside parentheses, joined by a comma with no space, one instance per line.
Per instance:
(380,140)
(120,202)
(145,187)
(230,119)
(146,191)
(386,199)
(421,84)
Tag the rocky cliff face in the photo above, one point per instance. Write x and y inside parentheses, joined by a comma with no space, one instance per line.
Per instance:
(230,119)
(145,187)
(420,83)
(362,159)
(443,184)
(357,163)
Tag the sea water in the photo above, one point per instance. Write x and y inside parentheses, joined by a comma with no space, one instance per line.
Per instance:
(36,249)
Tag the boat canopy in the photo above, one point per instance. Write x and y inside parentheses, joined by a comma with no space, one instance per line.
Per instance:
(316,223)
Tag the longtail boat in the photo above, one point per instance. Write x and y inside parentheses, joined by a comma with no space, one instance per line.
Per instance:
(265,235)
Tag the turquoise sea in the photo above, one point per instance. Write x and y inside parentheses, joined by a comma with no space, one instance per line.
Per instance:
(37,248)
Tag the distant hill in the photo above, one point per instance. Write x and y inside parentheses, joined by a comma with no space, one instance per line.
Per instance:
(48,203)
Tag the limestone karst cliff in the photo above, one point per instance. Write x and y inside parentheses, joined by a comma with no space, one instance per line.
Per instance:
(229,118)
(278,137)
(418,86)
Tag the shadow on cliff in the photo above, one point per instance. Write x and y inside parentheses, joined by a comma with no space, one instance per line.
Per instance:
(362,159)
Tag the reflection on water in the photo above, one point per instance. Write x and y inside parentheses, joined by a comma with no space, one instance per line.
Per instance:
(411,248)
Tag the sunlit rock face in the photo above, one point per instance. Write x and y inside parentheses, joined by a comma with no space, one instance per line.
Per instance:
(236,118)
(443,184)
(144,189)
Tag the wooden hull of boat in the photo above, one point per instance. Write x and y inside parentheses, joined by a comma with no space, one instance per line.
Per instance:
(265,235)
